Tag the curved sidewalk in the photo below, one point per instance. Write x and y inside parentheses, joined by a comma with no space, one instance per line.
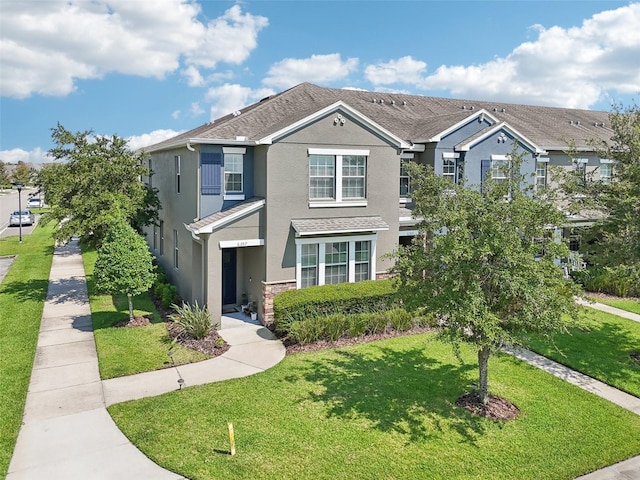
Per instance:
(67,432)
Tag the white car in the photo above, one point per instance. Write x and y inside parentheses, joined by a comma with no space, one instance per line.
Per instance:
(24,217)
(35,202)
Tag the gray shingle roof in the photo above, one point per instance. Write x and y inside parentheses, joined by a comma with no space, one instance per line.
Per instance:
(410,117)
(219,219)
(316,226)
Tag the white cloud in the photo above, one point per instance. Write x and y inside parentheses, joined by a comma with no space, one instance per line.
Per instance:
(196,109)
(228,98)
(46,46)
(15,155)
(574,67)
(136,142)
(317,69)
(175,114)
(402,70)
(193,76)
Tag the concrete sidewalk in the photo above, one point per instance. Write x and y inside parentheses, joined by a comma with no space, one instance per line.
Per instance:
(67,432)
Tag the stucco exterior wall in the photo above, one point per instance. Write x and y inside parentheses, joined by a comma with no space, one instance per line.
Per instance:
(287,189)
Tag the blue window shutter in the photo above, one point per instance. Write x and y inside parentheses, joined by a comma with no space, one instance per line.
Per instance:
(485,166)
(211,173)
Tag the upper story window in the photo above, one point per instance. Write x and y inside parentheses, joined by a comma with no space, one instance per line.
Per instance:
(233,169)
(177,164)
(580,167)
(405,182)
(500,170)
(223,173)
(606,170)
(337,176)
(150,174)
(541,173)
(449,164)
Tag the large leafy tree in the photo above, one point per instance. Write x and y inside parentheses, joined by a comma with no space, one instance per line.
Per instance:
(615,239)
(484,264)
(97,176)
(124,264)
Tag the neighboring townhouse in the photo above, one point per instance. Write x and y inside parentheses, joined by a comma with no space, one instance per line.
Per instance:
(308,187)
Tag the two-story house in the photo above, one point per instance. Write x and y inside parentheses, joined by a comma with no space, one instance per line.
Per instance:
(308,187)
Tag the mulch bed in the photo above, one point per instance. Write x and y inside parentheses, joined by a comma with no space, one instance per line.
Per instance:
(635,356)
(497,408)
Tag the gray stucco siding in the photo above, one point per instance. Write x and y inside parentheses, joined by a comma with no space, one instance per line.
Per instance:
(288,188)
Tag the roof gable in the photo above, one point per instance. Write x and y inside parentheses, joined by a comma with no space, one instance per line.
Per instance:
(334,107)
(488,132)
(480,115)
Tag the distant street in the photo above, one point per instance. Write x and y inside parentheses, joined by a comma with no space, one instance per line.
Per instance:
(8,204)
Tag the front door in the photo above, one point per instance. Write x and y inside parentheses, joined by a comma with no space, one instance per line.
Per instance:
(229,274)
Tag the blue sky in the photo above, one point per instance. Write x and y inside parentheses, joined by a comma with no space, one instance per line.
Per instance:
(149,69)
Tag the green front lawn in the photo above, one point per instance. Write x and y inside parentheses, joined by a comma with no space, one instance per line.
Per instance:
(630,305)
(22,295)
(380,410)
(600,349)
(130,350)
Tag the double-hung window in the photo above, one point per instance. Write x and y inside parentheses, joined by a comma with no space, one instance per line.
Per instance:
(541,173)
(580,167)
(175,249)
(606,170)
(449,160)
(309,265)
(233,172)
(337,176)
(499,170)
(323,261)
(405,185)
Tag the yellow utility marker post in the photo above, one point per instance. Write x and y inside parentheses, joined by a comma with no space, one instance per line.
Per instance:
(232,439)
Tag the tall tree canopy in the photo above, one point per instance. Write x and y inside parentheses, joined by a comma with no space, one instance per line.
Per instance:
(98,176)
(21,173)
(484,263)
(5,181)
(615,239)
(124,264)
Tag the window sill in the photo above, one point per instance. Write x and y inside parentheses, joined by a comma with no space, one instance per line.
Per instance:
(406,200)
(329,204)
(238,196)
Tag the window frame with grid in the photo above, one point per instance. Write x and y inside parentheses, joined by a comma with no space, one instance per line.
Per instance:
(337,177)
(541,174)
(500,169)
(606,178)
(405,180)
(233,168)
(338,259)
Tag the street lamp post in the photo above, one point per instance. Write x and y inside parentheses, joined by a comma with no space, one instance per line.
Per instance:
(18,186)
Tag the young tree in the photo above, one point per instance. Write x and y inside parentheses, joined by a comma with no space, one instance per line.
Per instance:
(124,264)
(21,173)
(99,175)
(5,181)
(484,264)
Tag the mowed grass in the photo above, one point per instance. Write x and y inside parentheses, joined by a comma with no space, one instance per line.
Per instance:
(22,295)
(384,410)
(130,350)
(628,304)
(601,348)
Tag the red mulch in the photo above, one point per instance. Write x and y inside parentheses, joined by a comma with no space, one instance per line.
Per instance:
(497,408)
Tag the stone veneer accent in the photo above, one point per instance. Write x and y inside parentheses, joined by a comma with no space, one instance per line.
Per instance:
(269,291)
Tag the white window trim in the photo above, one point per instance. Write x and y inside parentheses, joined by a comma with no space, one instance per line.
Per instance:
(451,155)
(338,201)
(351,261)
(234,196)
(542,159)
(606,160)
(238,150)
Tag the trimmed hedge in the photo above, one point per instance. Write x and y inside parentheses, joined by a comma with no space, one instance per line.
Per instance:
(342,325)
(321,301)
(621,280)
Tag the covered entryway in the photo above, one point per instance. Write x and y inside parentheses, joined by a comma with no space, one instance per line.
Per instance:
(229,278)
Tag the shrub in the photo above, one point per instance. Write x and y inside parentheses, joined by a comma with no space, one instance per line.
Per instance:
(306,331)
(194,320)
(621,280)
(169,295)
(347,298)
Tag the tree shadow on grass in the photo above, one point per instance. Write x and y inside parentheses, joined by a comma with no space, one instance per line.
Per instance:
(26,291)
(406,392)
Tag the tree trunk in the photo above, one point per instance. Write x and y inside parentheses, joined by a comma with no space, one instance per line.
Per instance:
(483,367)
(130,307)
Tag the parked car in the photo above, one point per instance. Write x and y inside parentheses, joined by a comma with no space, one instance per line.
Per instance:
(27,217)
(35,202)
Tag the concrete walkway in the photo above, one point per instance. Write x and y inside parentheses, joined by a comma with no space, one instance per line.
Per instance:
(67,432)
(629,469)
